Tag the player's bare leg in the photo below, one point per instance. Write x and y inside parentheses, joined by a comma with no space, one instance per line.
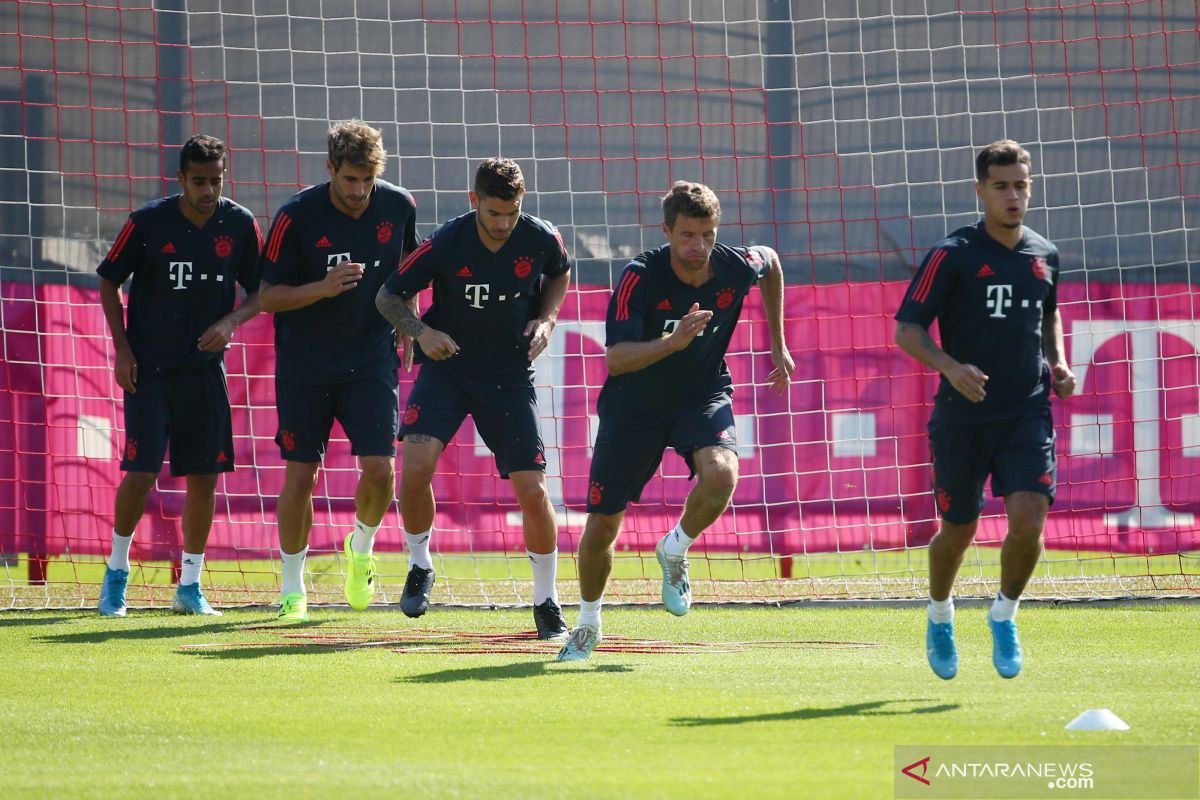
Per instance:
(595,565)
(716,478)
(419,461)
(295,514)
(374,493)
(946,552)
(541,545)
(1018,559)
(198,505)
(128,508)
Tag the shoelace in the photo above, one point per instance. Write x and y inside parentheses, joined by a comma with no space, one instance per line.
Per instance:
(1007,641)
(416,581)
(941,639)
(678,571)
(582,639)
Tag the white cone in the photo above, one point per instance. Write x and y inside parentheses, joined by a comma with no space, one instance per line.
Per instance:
(1097,719)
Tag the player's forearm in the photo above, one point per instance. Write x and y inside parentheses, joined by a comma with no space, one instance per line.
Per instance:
(281,297)
(114,312)
(396,310)
(770,286)
(553,293)
(916,341)
(1054,343)
(626,357)
(250,306)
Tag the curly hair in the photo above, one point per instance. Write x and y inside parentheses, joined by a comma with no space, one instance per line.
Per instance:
(200,149)
(355,142)
(691,200)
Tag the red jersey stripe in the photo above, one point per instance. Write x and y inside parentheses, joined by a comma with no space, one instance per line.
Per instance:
(115,252)
(624,292)
(257,233)
(281,225)
(921,292)
(425,247)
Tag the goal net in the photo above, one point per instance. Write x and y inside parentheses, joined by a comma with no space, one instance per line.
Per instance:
(841,134)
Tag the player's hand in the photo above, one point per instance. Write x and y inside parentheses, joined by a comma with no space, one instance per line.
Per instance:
(1063,381)
(217,337)
(126,370)
(691,326)
(969,380)
(406,341)
(538,330)
(781,376)
(437,345)
(342,278)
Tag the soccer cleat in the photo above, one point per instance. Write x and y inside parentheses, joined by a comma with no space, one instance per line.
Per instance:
(579,646)
(1006,650)
(190,600)
(676,589)
(549,620)
(939,643)
(293,607)
(360,576)
(112,592)
(415,600)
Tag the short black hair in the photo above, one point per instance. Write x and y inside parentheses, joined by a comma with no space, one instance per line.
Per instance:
(1002,154)
(200,149)
(500,178)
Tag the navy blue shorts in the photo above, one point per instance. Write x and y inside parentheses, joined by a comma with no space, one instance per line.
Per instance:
(188,407)
(1017,453)
(629,449)
(366,408)
(505,415)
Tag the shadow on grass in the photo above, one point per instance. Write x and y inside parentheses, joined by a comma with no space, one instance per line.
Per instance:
(159,626)
(520,669)
(10,622)
(872,709)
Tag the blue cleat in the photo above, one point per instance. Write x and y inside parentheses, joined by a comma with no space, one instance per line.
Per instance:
(112,593)
(1006,649)
(676,588)
(580,645)
(190,600)
(939,644)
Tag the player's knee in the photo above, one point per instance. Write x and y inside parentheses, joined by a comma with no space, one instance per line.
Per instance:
(530,491)
(140,482)
(601,531)
(721,477)
(379,472)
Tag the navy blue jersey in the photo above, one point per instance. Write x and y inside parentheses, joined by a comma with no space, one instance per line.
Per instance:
(343,337)
(184,277)
(483,300)
(989,302)
(648,303)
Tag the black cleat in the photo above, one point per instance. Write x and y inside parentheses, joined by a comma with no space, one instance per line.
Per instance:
(549,620)
(415,600)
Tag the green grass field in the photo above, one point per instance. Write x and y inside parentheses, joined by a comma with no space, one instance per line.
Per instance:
(132,708)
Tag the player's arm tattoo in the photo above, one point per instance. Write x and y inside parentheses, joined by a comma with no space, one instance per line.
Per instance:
(395,309)
(926,349)
(417,438)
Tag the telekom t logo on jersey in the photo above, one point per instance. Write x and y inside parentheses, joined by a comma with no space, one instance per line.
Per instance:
(999,298)
(181,272)
(333,259)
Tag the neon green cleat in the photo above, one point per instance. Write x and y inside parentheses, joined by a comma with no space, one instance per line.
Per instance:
(293,607)
(360,576)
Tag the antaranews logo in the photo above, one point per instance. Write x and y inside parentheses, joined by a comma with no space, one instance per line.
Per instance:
(1037,771)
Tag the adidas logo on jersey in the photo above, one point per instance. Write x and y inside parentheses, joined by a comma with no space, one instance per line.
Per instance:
(169,247)
(665,305)
(324,242)
(465,272)
(985,272)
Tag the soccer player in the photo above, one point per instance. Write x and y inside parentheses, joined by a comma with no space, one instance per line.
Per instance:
(499,278)
(327,253)
(186,254)
(992,288)
(669,324)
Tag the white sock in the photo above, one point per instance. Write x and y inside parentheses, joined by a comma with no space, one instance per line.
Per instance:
(941,611)
(589,612)
(363,538)
(418,549)
(545,570)
(293,571)
(189,568)
(1004,609)
(119,558)
(676,543)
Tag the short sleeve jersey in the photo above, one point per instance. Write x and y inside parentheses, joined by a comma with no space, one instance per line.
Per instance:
(184,278)
(649,302)
(344,337)
(484,300)
(989,302)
